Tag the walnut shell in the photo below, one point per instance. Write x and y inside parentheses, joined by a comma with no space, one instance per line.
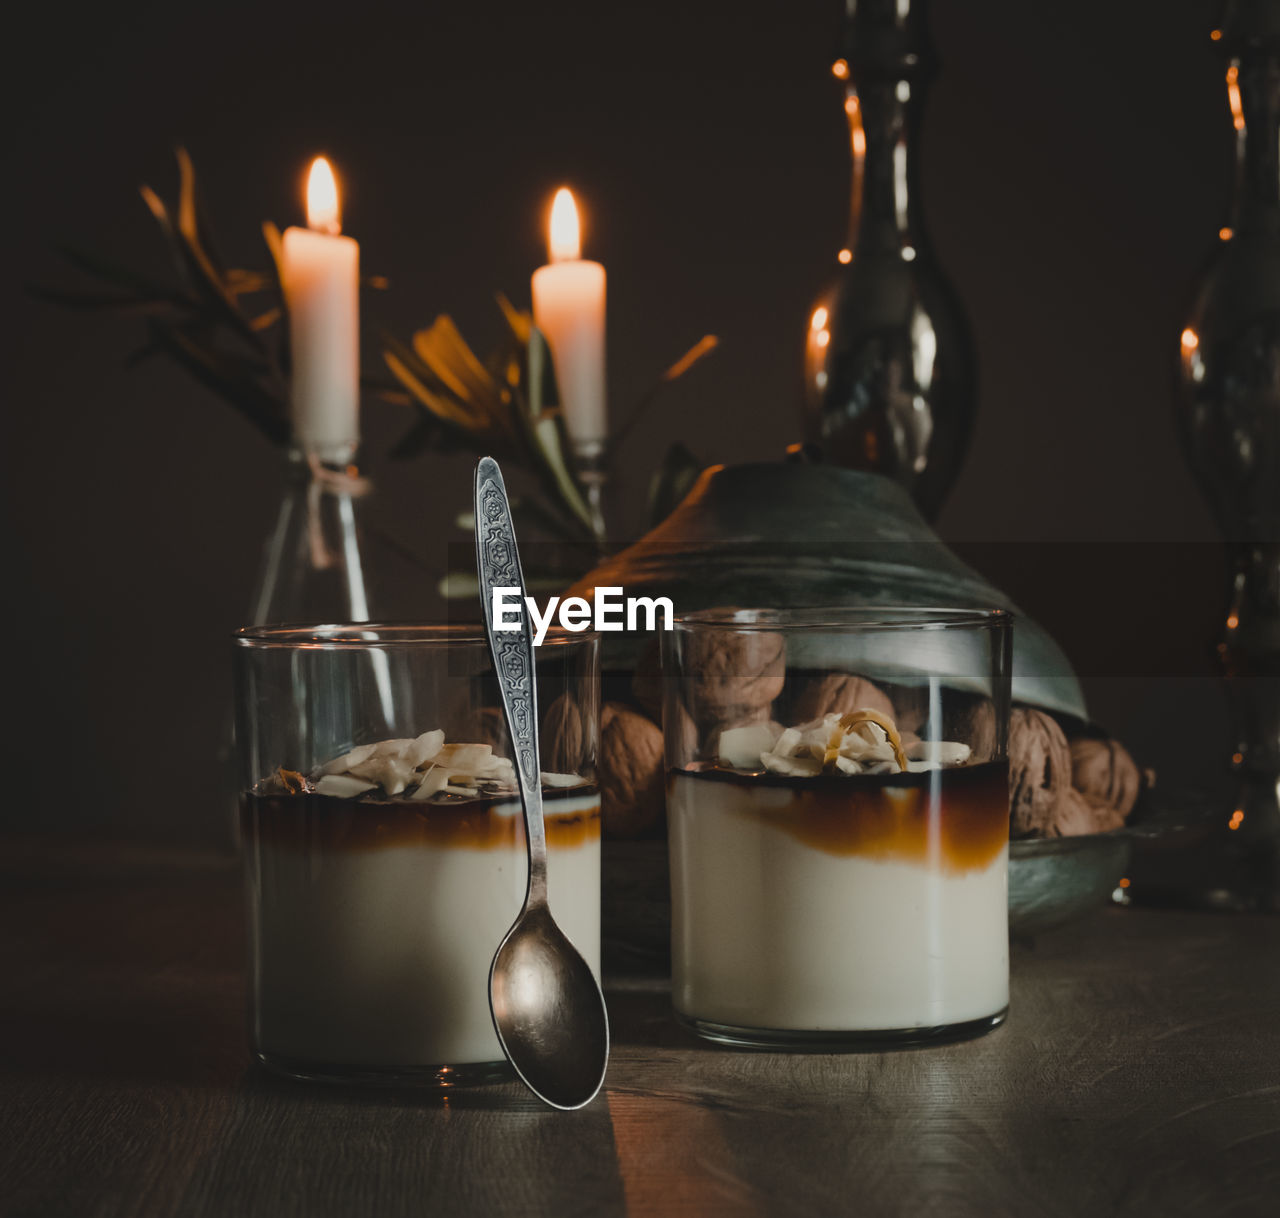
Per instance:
(1039,773)
(485,725)
(631,772)
(1105,774)
(840,692)
(912,704)
(564,737)
(647,683)
(974,724)
(731,677)
(1075,816)
(682,733)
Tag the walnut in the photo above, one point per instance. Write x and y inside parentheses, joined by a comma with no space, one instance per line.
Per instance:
(837,693)
(1104,773)
(912,704)
(647,683)
(485,725)
(731,677)
(975,724)
(683,734)
(1077,815)
(631,772)
(564,738)
(1039,772)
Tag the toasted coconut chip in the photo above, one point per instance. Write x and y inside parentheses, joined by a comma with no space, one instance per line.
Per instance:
(342,786)
(937,752)
(741,747)
(464,758)
(787,743)
(358,755)
(847,723)
(293,782)
(799,767)
(425,748)
(433,780)
(424,766)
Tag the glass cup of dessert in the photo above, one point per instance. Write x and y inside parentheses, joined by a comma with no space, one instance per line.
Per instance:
(838,811)
(384,841)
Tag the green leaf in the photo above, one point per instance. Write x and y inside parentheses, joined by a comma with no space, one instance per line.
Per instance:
(519,322)
(104,302)
(540,376)
(549,443)
(194,264)
(245,283)
(228,378)
(672,481)
(120,276)
(415,376)
(161,215)
(193,221)
(549,520)
(427,434)
(275,243)
(699,351)
(443,350)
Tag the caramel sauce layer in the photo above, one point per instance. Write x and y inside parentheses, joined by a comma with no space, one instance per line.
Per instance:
(325,822)
(956,819)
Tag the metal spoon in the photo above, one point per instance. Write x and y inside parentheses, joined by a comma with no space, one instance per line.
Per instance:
(547,1006)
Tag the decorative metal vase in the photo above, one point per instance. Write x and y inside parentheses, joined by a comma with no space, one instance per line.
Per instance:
(1229,411)
(889,367)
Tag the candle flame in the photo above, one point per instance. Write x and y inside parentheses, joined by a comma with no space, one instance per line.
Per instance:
(323,214)
(565,239)
(819,319)
(1190,341)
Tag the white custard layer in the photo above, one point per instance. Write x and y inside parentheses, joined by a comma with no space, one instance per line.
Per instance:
(771,933)
(380,957)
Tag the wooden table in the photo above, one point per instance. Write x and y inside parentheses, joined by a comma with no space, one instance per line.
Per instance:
(1139,1072)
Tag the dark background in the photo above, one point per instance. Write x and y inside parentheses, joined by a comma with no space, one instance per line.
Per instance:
(1076,169)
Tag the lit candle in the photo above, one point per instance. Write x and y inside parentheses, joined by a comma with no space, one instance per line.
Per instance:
(322,286)
(568,307)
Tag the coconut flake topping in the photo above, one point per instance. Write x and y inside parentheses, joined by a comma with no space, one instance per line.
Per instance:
(859,742)
(424,766)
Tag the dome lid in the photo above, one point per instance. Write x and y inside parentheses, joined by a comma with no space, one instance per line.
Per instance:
(782,535)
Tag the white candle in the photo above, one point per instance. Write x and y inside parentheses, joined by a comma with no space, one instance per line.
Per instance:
(569,309)
(322,287)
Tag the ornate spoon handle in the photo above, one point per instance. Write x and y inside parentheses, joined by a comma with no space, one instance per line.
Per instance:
(498,566)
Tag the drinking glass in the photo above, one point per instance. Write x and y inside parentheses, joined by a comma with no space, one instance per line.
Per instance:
(385,862)
(838,816)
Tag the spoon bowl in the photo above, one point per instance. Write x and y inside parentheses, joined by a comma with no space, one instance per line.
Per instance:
(555,1038)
